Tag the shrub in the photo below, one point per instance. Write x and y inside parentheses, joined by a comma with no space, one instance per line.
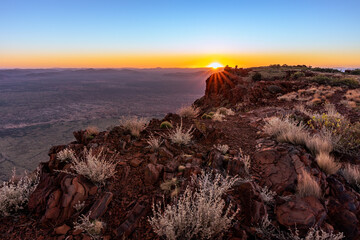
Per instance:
(218,117)
(286,130)
(332,81)
(95,167)
(91,132)
(93,228)
(298,75)
(66,155)
(344,136)
(134,125)
(257,77)
(154,142)
(180,135)
(198,213)
(222,148)
(307,185)
(189,112)
(246,160)
(327,163)
(225,111)
(352,174)
(319,143)
(14,195)
(166,125)
(270,231)
(267,195)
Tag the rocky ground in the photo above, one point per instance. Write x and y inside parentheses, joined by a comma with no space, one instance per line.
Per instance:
(124,203)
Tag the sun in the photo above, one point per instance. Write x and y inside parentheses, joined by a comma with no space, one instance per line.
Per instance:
(215,65)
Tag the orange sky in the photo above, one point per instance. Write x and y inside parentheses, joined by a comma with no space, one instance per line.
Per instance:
(74,60)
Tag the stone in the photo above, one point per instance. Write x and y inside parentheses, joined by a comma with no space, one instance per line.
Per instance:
(302,213)
(100,206)
(252,205)
(164,152)
(152,174)
(135,162)
(62,230)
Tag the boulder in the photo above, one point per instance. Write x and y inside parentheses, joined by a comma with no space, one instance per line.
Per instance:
(302,213)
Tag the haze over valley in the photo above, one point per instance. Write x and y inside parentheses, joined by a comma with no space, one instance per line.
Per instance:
(42,107)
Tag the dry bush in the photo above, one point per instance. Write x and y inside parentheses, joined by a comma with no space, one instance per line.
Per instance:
(15,194)
(198,213)
(267,195)
(286,130)
(225,111)
(218,117)
(180,135)
(154,142)
(189,112)
(133,124)
(222,148)
(307,185)
(96,167)
(91,227)
(327,163)
(66,155)
(319,143)
(352,174)
(246,160)
(91,131)
(270,231)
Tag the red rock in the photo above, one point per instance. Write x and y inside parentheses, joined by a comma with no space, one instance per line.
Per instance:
(252,205)
(62,230)
(100,206)
(164,152)
(135,162)
(152,174)
(302,213)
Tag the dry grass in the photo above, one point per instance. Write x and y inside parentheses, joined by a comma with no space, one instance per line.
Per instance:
(286,130)
(218,117)
(319,143)
(96,167)
(154,142)
(246,160)
(327,163)
(133,124)
(307,185)
(189,112)
(91,131)
(15,193)
(267,195)
(91,227)
(66,155)
(352,174)
(180,135)
(199,213)
(222,148)
(225,111)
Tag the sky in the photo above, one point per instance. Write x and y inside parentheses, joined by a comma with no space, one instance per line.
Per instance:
(94,33)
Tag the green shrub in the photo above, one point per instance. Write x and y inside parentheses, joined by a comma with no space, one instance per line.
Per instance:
(166,125)
(321,79)
(298,75)
(257,77)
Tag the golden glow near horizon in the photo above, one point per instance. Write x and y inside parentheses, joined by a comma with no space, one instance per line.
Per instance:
(215,65)
(152,60)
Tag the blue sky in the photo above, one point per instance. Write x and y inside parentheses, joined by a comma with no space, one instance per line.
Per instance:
(178,27)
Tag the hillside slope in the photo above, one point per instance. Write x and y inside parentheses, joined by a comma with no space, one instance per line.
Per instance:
(276,191)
